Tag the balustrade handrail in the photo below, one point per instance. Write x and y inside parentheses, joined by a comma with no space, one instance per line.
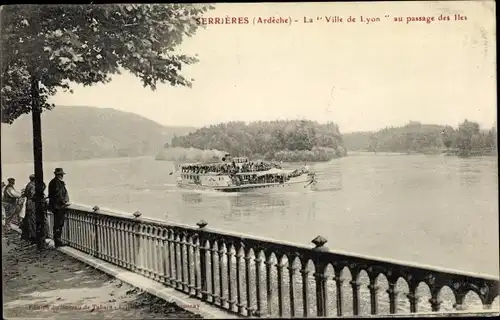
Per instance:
(273,242)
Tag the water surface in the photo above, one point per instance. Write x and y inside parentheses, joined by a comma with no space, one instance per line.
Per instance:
(435,210)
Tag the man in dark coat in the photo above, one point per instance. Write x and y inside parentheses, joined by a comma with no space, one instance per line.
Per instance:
(58,203)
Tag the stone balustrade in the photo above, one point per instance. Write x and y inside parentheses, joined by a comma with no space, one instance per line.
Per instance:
(253,276)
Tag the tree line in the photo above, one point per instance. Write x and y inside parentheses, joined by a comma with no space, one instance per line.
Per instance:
(466,140)
(285,140)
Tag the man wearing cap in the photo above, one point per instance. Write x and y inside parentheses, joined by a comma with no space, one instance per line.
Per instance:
(10,202)
(58,203)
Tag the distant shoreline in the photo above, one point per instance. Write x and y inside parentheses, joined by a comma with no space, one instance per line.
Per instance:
(349,154)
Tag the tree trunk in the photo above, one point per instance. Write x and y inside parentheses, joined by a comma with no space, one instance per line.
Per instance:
(38,163)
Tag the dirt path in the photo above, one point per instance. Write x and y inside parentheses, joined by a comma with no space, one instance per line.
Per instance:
(51,285)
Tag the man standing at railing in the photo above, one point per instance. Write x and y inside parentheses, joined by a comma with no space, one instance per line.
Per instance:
(58,203)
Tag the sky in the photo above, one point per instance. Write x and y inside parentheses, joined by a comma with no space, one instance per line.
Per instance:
(361,76)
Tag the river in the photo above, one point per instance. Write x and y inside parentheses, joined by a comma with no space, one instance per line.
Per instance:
(434,210)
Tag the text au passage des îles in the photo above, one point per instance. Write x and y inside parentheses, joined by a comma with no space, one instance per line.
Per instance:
(228,20)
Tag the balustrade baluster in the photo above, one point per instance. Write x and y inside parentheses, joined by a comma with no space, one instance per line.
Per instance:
(171,256)
(79,235)
(99,238)
(164,256)
(231,301)
(203,270)
(340,292)
(321,293)
(178,269)
(190,267)
(80,240)
(291,275)
(203,259)
(144,254)
(123,245)
(248,259)
(269,284)
(92,233)
(128,245)
(108,240)
(258,283)
(96,223)
(239,289)
(114,242)
(320,278)
(119,242)
(102,242)
(392,297)
(220,254)
(137,246)
(81,232)
(157,268)
(136,238)
(305,288)
(111,241)
(75,236)
(183,250)
(213,261)
(355,295)
(67,225)
(281,287)
(434,300)
(85,227)
(70,230)
(105,229)
(151,252)
(93,236)
(412,297)
(197,269)
(459,300)
(373,295)
(143,251)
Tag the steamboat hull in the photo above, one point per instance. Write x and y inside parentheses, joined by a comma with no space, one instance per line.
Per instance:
(295,184)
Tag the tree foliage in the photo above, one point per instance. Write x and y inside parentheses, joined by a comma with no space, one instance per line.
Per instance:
(297,140)
(467,140)
(86,44)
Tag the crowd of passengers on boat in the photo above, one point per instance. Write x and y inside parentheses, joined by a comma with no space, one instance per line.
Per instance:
(229,168)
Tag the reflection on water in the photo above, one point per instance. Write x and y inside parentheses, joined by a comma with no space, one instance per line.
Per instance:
(433,210)
(191,197)
(469,172)
(259,200)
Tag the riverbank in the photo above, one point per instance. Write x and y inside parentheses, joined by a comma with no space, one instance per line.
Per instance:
(50,284)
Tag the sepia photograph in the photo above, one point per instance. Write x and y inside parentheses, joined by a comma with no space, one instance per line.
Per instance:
(240,160)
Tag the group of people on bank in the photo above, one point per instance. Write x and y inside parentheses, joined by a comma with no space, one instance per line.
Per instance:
(57,202)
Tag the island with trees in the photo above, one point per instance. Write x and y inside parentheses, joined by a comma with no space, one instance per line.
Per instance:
(280,140)
(468,139)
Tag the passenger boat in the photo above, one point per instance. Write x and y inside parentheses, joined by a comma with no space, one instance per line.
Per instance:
(241,175)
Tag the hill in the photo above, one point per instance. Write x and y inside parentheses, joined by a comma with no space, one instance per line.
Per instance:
(77,133)
(291,140)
